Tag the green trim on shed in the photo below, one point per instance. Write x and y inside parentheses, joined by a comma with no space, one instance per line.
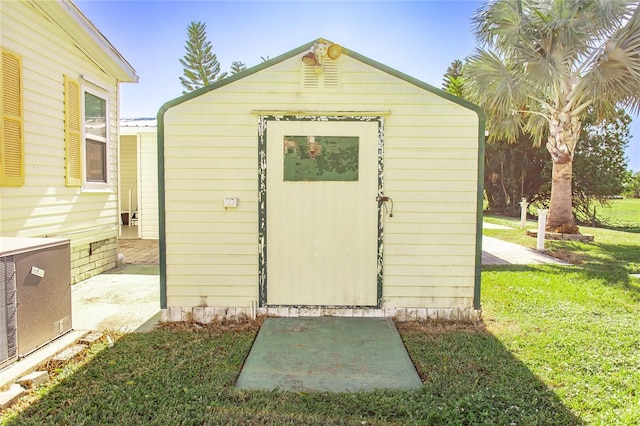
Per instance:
(285,56)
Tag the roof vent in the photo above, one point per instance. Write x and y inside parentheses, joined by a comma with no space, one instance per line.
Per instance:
(325,76)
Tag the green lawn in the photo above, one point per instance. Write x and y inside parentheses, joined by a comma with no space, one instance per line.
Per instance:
(612,252)
(558,345)
(621,214)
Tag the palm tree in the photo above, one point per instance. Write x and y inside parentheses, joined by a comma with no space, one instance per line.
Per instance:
(542,64)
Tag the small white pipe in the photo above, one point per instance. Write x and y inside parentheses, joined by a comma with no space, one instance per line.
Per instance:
(542,224)
(253,309)
(523,213)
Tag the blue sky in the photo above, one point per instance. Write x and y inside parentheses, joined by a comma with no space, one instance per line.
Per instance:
(418,38)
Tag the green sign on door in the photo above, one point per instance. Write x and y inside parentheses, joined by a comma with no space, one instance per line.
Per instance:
(321,158)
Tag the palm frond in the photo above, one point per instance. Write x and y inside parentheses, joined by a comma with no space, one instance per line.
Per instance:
(497,22)
(614,75)
(496,85)
(537,125)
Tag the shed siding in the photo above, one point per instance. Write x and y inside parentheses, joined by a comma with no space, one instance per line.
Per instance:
(44,206)
(430,171)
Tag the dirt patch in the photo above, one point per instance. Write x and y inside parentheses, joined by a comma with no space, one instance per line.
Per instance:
(242,323)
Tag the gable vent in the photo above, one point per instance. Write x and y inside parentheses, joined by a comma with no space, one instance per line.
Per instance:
(329,78)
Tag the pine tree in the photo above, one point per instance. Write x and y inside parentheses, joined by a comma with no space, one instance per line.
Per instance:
(201,66)
(237,67)
(452,81)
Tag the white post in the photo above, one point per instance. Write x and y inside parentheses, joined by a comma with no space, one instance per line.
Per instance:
(523,212)
(542,224)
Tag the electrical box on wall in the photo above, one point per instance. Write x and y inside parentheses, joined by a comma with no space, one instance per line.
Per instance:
(231,203)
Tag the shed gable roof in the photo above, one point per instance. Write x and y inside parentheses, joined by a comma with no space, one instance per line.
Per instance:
(301,50)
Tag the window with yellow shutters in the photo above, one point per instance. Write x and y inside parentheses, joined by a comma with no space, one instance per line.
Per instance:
(11,133)
(86,136)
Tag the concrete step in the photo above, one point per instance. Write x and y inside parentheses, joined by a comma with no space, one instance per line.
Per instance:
(34,379)
(68,354)
(91,338)
(11,395)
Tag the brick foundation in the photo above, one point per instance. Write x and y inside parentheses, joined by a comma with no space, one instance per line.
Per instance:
(92,259)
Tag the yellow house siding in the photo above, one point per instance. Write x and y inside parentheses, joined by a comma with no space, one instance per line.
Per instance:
(430,172)
(45,205)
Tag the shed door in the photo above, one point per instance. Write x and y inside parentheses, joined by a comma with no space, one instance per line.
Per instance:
(322,213)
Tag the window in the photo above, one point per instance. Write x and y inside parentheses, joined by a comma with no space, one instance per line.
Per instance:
(11,121)
(87,136)
(95,135)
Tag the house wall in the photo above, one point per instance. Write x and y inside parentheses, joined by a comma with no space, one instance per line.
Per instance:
(44,206)
(145,139)
(128,172)
(148,178)
(430,171)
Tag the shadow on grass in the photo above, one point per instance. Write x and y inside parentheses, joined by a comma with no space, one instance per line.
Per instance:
(471,378)
(186,376)
(613,268)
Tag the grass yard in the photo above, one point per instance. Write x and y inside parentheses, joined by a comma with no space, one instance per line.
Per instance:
(559,345)
(613,253)
(621,214)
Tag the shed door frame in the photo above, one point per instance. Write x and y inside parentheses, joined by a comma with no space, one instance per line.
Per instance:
(263,123)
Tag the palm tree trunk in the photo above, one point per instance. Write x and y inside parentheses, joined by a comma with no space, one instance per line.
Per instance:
(564,130)
(560,210)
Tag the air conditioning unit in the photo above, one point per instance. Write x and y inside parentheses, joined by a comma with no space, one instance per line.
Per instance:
(35,294)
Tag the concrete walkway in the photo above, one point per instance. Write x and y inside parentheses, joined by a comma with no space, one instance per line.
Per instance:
(498,252)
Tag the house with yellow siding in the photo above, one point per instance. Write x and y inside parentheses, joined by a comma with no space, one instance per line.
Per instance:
(59,131)
(320,182)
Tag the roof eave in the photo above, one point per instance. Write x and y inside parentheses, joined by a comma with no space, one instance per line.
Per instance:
(123,71)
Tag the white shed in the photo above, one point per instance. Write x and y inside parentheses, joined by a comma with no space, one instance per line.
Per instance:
(320,183)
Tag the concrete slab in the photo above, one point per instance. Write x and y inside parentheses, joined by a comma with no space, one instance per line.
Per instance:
(68,354)
(11,395)
(328,354)
(120,300)
(34,379)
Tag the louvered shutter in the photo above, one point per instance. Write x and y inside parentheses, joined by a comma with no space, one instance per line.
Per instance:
(73,132)
(11,134)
